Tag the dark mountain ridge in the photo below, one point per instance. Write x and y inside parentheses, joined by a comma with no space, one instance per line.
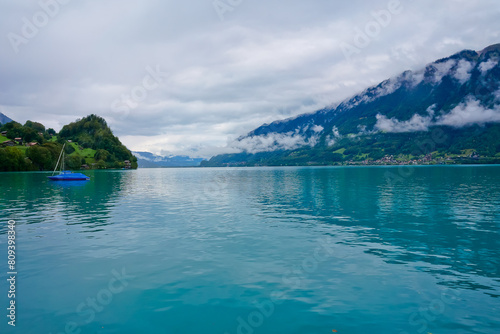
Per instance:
(455,94)
(4,119)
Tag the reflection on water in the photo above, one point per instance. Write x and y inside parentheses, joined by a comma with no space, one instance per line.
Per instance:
(70,184)
(435,217)
(30,198)
(206,244)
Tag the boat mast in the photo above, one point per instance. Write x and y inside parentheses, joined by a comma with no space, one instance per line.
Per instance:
(58,160)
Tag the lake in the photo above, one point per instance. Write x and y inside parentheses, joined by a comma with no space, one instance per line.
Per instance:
(304,250)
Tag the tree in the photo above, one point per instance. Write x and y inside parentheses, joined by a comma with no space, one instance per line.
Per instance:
(38,127)
(68,149)
(41,157)
(102,155)
(337,157)
(73,162)
(29,135)
(13,129)
(55,150)
(12,160)
(100,164)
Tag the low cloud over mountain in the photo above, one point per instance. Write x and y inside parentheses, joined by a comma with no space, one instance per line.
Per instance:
(454,93)
(458,91)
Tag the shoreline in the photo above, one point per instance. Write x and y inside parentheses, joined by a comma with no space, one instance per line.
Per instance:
(264,166)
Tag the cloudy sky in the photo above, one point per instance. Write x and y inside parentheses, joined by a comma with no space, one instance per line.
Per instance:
(187,77)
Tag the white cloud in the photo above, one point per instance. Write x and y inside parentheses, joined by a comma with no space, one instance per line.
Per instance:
(463,71)
(466,113)
(442,69)
(279,141)
(224,78)
(416,123)
(140,156)
(470,112)
(417,77)
(333,137)
(488,65)
(313,140)
(318,128)
(371,94)
(335,132)
(388,87)
(271,142)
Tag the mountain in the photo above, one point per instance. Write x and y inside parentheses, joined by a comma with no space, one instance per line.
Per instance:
(150,160)
(4,119)
(92,132)
(457,97)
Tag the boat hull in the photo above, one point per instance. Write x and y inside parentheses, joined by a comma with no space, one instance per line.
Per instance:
(69,177)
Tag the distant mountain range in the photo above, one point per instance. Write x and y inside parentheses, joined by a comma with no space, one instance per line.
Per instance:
(150,160)
(4,119)
(458,96)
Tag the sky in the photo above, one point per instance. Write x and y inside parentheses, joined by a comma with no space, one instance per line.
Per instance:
(189,77)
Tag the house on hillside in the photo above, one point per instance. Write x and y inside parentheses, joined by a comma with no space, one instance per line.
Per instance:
(3,133)
(128,164)
(18,140)
(32,144)
(8,143)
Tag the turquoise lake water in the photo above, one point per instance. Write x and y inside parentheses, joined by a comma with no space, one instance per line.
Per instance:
(255,250)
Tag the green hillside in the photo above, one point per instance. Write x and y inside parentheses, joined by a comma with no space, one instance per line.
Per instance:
(442,145)
(90,144)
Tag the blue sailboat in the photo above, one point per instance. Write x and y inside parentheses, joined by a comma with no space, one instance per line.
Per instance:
(65,175)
